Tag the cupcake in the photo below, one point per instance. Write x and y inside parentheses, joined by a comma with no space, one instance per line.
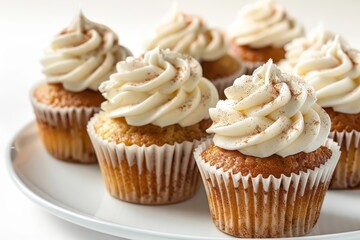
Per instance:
(260,32)
(189,34)
(77,61)
(156,113)
(316,38)
(270,165)
(334,71)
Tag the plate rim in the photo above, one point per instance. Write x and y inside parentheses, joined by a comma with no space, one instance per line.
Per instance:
(104,226)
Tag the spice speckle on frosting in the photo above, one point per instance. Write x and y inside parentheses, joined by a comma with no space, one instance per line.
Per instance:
(163,88)
(263,24)
(334,71)
(189,34)
(269,113)
(82,55)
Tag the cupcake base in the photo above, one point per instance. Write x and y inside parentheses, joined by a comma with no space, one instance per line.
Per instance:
(347,172)
(271,213)
(258,207)
(127,183)
(147,174)
(63,131)
(253,58)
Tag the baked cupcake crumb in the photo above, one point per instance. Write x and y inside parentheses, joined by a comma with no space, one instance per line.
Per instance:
(56,96)
(249,54)
(272,165)
(343,121)
(220,68)
(118,131)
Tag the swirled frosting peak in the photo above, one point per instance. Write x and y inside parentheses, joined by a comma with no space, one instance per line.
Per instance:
(334,72)
(188,34)
(269,113)
(264,24)
(82,55)
(314,40)
(162,88)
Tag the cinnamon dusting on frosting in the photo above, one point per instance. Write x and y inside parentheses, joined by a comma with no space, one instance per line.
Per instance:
(190,35)
(83,55)
(173,93)
(262,24)
(334,71)
(269,113)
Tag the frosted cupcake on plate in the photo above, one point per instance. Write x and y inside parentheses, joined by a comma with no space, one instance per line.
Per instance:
(261,31)
(78,59)
(334,71)
(189,34)
(270,165)
(156,113)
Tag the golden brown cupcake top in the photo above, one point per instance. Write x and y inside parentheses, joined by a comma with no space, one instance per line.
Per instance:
(223,67)
(343,121)
(56,96)
(118,131)
(261,55)
(274,165)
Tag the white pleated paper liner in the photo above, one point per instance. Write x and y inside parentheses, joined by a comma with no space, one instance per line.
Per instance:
(222,83)
(347,172)
(258,207)
(63,131)
(147,175)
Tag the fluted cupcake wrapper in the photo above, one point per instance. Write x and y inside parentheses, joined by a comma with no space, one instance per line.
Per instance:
(63,131)
(257,207)
(222,83)
(147,174)
(347,172)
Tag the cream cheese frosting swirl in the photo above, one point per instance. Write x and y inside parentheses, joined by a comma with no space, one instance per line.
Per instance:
(162,88)
(314,40)
(83,55)
(264,24)
(188,34)
(269,113)
(334,72)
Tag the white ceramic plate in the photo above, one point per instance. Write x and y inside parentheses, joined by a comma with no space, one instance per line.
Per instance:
(76,193)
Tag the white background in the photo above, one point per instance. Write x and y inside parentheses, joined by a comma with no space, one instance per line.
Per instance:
(26,28)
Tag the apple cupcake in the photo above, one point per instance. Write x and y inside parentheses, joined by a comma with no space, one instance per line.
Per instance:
(260,32)
(77,61)
(155,115)
(334,71)
(188,34)
(270,165)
